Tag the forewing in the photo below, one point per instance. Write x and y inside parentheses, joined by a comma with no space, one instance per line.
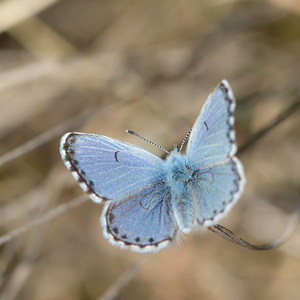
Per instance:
(215,190)
(107,168)
(143,221)
(213,138)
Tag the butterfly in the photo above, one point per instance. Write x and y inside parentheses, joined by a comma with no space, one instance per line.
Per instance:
(150,202)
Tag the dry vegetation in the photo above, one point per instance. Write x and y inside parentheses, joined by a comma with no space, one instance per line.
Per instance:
(105,66)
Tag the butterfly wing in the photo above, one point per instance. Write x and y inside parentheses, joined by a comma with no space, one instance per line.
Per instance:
(218,177)
(142,220)
(215,190)
(213,138)
(107,168)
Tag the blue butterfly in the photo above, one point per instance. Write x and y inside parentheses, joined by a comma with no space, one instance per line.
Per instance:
(150,202)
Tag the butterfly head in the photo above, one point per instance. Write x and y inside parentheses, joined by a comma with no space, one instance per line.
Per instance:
(176,149)
(178,166)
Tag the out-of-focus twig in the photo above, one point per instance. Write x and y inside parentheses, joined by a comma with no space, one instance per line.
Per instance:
(21,273)
(44,218)
(45,137)
(261,133)
(41,40)
(114,290)
(27,73)
(12,12)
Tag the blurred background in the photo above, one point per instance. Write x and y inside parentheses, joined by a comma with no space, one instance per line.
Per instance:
(105,66)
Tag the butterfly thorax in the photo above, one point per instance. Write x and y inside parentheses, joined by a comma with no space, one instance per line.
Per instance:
(179,178)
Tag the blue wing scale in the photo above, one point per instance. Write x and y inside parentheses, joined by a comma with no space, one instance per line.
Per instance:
(143,221)
(213,138)
(215,190)
(107,168)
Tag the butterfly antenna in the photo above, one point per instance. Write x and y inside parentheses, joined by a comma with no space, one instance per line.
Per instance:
(184,140)
(150,142)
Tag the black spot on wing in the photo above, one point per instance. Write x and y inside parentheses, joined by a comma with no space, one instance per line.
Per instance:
(111,217)
(91,187)
(116,156)
(229,137)
(224,88)
(205,125)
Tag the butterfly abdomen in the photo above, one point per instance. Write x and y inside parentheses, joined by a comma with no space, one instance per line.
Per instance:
(179,176)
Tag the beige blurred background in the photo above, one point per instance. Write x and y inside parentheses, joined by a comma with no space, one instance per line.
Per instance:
(146,66)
